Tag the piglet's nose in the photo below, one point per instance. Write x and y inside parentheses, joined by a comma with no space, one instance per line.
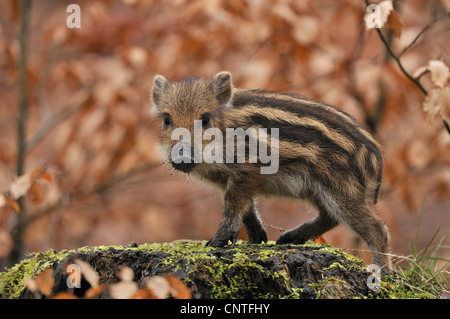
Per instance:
(182,158)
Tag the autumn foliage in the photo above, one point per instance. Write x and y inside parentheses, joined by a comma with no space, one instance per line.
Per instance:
(93,175)
(157,287)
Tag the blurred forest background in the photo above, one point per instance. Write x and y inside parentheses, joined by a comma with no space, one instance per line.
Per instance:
(81,135)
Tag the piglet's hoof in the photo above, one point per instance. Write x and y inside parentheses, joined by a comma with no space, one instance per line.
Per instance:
(220,242)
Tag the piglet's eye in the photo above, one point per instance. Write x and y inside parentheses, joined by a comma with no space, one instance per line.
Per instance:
(167,121)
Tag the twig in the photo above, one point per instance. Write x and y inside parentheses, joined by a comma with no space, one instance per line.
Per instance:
(81,99)
(22,83)
(429,25)
(372,118)
(82,194)
(409,76)
(399,63)
(21,122)
(267,226)
(43,106)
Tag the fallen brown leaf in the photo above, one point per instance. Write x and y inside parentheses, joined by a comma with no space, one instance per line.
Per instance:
(45,281)
(179,289)
(123,290)
(94,291)
(159,286)
(322,240)
(88,272)
(64,295)
(141,294)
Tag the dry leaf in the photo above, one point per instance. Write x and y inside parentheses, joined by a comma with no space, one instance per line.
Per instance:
(306,30)
(88,272)
(20,185)
(379,14)
(385,10)
(13,204)
(159,286)
(36,173)
(439,73)
(137,56)
(322,240)
(445,106)
(31,285)
(47,177)
(45,281)
(418,154)
(179,289)
(141,294)
(123,289)
(126,274)
(35,192)
(432,105)
(6,243)
(438,102)
(393,22)
(64,295)
(420,71)
(2,200)
(94,291)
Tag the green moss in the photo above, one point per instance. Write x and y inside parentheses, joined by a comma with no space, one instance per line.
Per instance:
(13,281)
(233,277)
(230,272)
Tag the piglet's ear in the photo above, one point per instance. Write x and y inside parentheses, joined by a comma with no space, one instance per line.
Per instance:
(160,85)
(222,84)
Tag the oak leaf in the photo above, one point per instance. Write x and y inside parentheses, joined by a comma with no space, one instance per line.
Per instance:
(88,272)
(20,185)
(159,286)
(438,102)
(94,291)
(13,204)
(141,294)
(64,295)
(123,289)
(386,7)
(35,192)
(393,22)
(179,289)
(126,274)
(45,281)
(439,73)
(322,240)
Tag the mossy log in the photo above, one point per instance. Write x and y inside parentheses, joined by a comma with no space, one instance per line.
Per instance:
(242,270)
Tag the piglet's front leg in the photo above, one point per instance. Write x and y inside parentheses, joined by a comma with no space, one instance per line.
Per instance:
(228,229)
(235,205)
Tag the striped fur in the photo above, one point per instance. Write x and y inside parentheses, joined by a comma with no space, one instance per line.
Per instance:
(325,157)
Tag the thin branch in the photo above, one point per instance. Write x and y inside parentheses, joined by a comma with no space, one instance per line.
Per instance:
(22,84)
(96,190)
(409,76)
(399,63)
(429,25)
(79,101)
(43,106)
(21,122)
(397,59)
